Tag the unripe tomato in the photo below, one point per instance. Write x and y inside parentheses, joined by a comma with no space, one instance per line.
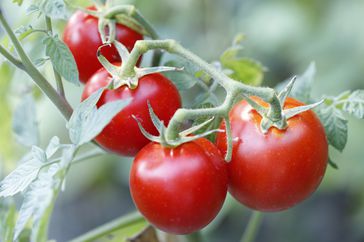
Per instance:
(82,36)
(179,190)
(274,171)
(122,135)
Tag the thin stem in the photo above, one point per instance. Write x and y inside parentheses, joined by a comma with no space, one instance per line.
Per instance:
(131,11)
(11,58)
(110,227)
(252,228)
(195,237)
(57,76)
(60,102)
(232,87)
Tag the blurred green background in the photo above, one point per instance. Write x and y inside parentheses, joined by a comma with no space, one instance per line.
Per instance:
(284,35)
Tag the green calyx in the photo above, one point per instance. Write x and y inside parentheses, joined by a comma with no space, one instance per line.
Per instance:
(127,76)
(109,15)
(182,137)
(267,120)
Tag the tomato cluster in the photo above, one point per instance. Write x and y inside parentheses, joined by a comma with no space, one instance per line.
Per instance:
(181,189)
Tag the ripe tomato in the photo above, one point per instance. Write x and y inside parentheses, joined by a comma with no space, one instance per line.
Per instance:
(179,190)
(82,37)
(274,171)
(122,134)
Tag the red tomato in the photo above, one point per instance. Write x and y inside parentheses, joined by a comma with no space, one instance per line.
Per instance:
(179,190)
(82,37)
(122,134)
(274,171)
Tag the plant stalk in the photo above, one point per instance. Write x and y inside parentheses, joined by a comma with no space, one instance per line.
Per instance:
(59,101)
(253,226)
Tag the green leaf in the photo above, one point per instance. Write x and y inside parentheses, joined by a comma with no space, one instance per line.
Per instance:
(52,8)
(25,124)
(183,80)
(354,104)
(245,70)
(19,2)
(335,125)
(37,199)
(18,180)
(87,121)
(62,59)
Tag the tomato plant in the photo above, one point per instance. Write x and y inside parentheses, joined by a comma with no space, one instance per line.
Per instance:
(179,190)
(83,38)
(271,150)
(122,134)
(274,171)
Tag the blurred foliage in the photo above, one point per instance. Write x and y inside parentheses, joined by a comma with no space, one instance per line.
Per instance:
(285,36)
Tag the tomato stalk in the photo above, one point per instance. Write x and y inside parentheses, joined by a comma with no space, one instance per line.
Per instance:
(233,88)
(110,227)
(27,65)
(252,228)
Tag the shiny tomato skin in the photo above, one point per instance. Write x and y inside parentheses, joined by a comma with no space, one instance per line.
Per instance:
(274,171)
(179,190)
(81,35)
(122,135)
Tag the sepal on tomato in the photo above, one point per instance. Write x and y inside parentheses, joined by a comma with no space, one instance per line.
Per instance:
(183,136)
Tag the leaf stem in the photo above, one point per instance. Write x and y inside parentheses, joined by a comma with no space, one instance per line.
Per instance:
(59,101)
(252,228)
(110,227)
(57,76)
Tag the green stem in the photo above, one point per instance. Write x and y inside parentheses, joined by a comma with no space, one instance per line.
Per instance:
(233,88)
(57,76)
(59,101)
(131,11)
(252,228)
(110,227)
(11,58)
(195,237)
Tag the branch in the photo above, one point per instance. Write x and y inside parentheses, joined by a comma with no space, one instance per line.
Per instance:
(59,101)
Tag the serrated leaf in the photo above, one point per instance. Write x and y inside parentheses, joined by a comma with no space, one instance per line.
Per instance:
(354,104)
(52,147)
(36,199)
(183,80)
(87,121)
(62,59)
(335,126)
(245,70)
(18,180)
(52,8)
(25,125)
(38,154)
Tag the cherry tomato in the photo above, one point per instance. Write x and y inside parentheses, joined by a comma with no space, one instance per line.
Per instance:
(82,37)
(274,171)
(122,134)
(179,190)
